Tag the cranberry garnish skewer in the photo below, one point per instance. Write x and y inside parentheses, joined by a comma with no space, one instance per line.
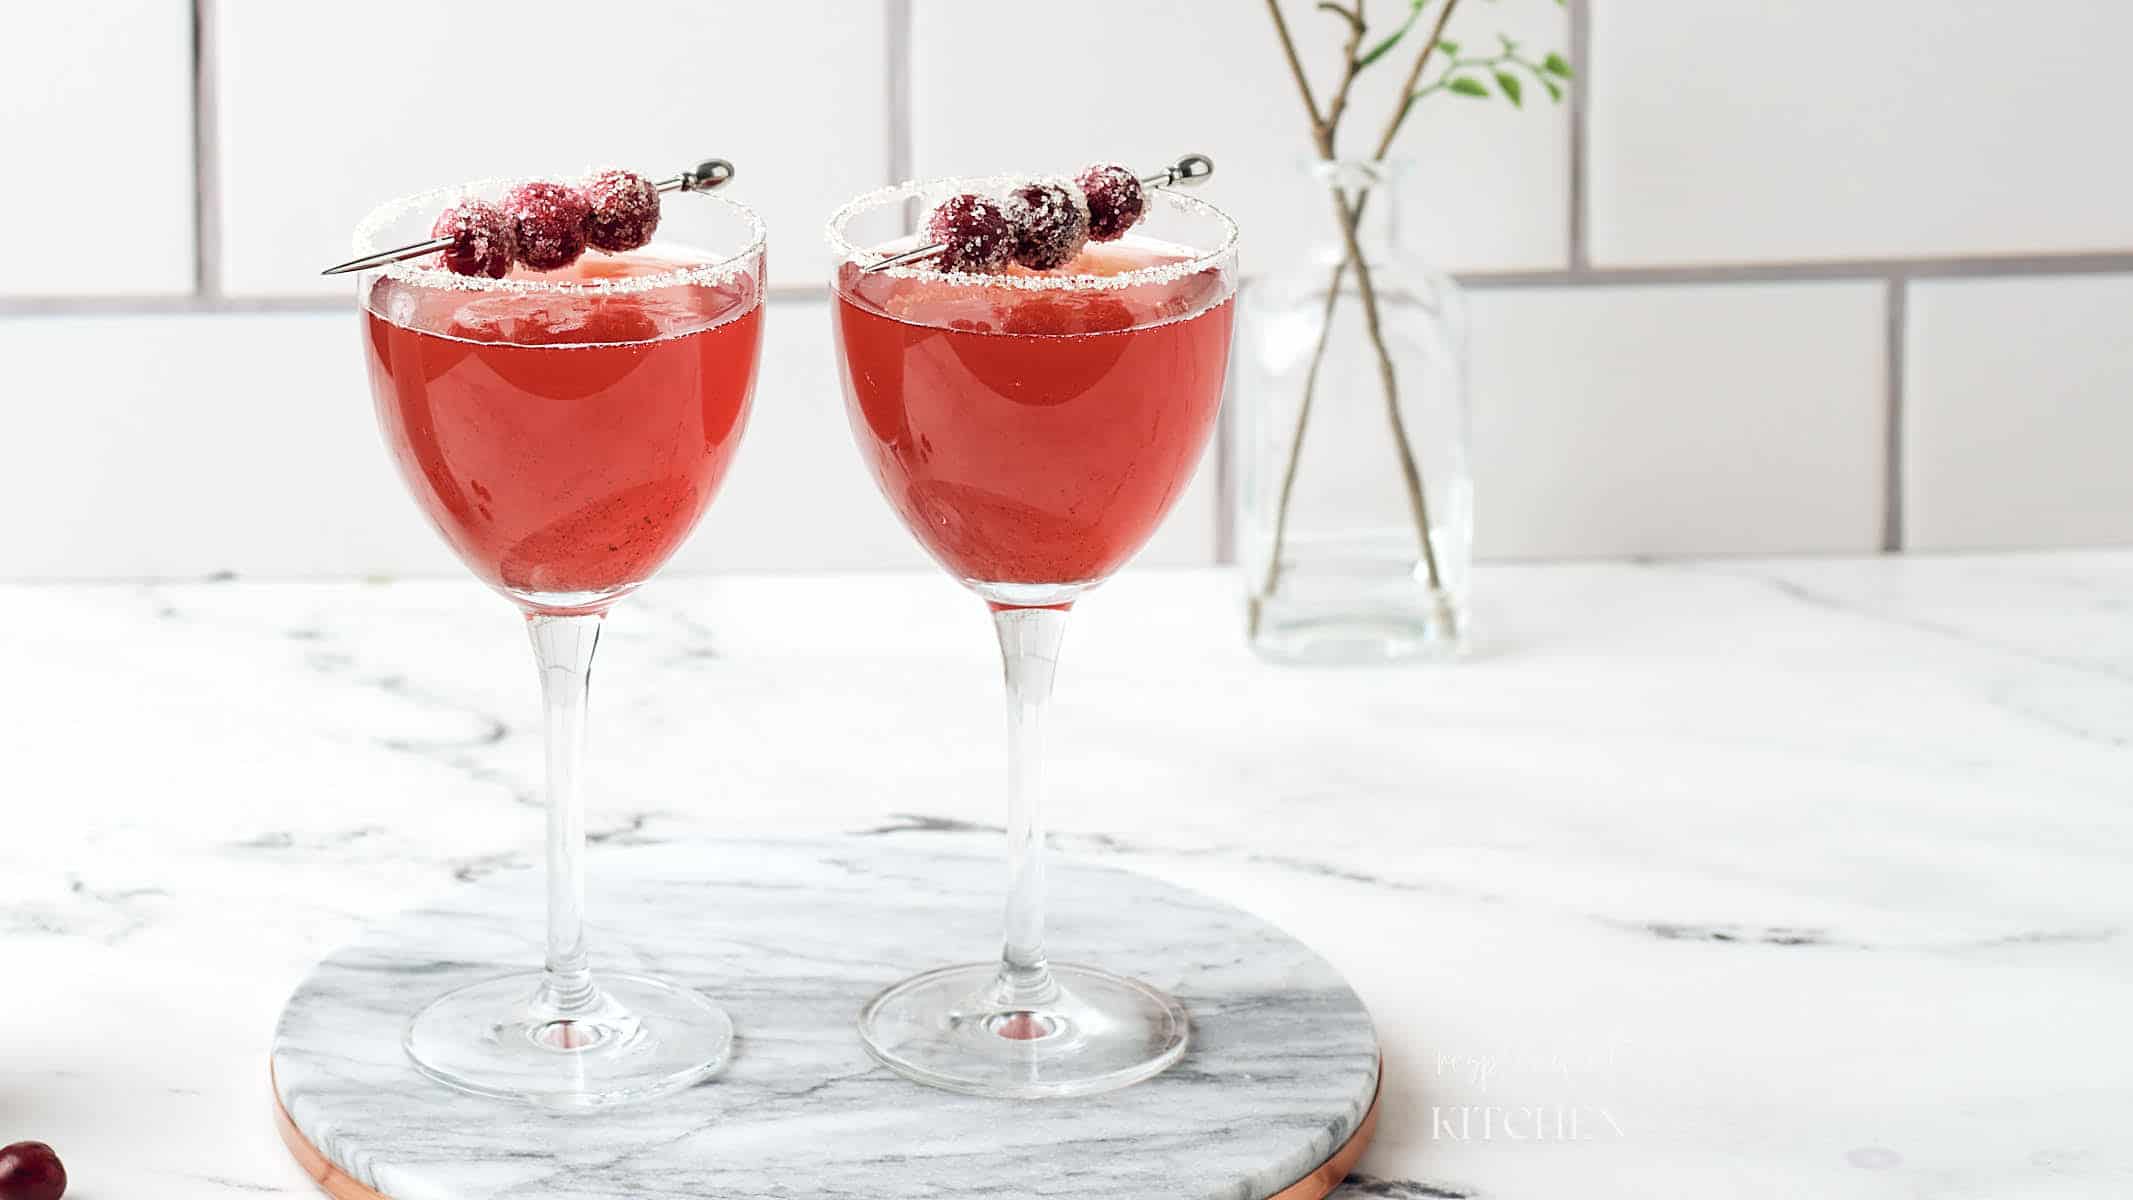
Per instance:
(1115,203)
(703,177)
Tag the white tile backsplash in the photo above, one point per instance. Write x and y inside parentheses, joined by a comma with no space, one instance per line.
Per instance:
(1720,419)
(1742,130)
(327,109)
(1142,81)
(202,444)
(1629,417)
(798,495)
(2018,413)
(97,137)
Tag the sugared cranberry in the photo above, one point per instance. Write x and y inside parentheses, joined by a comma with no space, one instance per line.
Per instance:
(1116,201)
(30,1171)
(1051,222)
(549,219)
(482,240)
(625,211)
(976,232)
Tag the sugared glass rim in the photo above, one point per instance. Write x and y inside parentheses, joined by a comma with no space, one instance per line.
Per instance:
(1221,256)
(369,234)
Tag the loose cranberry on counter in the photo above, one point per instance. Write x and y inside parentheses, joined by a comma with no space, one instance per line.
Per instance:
(31,1171)
(1116,201)
(976,232)
(549,219)
(625,211)
(1051,222)
(482,239)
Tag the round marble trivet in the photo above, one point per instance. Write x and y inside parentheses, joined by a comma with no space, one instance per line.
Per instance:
(1272,1099)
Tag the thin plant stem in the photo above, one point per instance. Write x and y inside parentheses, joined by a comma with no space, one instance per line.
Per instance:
(1296,445)
(1348,215)
(1388,375)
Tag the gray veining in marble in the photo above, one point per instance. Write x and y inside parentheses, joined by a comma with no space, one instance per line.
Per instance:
(792,936)
(1793,877)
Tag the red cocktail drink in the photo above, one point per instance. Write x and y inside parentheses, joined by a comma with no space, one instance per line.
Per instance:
(561,371)
(564,442)
(1032,376)
(1036,435)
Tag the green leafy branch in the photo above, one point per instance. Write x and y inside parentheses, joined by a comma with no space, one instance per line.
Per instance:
(1462,76)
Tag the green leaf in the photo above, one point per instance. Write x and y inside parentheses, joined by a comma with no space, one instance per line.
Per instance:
(1509,46)
(1448,46)
(1378,51)
(1555,64)
(1509,83)
(1467,85)
(1555,90)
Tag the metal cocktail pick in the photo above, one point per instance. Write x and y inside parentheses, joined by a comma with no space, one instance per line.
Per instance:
(1186,172)
(704,176)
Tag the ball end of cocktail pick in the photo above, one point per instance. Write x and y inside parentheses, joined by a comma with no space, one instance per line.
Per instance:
(708,174)
(1191,169)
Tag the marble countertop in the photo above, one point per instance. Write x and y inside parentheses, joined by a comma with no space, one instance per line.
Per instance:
(1746,879)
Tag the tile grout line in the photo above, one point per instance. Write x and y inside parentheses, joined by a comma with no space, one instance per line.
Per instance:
(1878,269)
(1581,71)
(207,192)
(899,51)
(1896,333)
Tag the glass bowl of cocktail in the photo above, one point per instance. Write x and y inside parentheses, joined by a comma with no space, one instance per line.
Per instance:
(563,413)
(1031,425)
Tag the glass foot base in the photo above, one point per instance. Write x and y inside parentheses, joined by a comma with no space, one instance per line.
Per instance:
(641,1038)
(949,1029)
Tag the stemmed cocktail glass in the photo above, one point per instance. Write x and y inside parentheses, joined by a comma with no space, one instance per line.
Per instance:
(1031,428)
(564,430)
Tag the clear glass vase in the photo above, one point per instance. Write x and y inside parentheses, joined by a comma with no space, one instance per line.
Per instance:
(1354,493)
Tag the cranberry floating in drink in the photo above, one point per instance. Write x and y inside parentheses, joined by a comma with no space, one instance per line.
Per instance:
(1032,414)
(562,372)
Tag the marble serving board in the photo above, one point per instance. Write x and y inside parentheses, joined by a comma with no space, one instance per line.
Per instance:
(792,936)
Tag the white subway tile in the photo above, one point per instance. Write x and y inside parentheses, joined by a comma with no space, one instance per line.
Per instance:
(1709,419)
(202,444)
(2018,411)
(328,109)
(98,142)
(799,497)
(998,88)
(1742,130)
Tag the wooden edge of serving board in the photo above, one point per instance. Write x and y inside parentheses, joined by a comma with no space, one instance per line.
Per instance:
(341,1185)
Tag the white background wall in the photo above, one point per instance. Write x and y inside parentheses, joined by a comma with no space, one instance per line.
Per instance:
(1781,278)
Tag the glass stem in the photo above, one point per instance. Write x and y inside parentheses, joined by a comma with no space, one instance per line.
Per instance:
(563,647)
(1029,650)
